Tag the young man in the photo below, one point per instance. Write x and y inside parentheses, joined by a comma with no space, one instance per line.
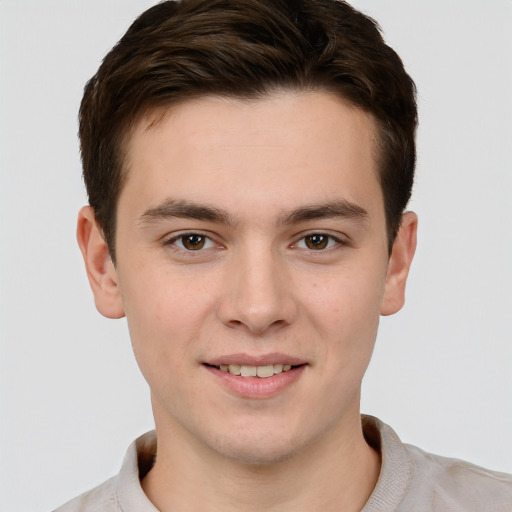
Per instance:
(248,164)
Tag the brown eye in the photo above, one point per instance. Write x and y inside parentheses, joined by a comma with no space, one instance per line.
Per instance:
(193,242)
(316,242)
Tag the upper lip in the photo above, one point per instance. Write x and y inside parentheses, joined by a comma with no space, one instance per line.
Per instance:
(255,360)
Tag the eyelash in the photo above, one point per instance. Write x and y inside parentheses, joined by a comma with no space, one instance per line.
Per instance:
(182,236)
(331,242)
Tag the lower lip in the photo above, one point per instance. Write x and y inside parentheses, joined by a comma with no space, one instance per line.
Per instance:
(257,387)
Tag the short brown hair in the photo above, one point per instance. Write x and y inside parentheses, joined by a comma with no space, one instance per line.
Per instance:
(183,49)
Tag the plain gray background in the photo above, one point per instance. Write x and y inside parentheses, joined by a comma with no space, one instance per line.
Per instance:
(72,398)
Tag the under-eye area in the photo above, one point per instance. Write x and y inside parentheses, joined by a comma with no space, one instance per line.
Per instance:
(255,371)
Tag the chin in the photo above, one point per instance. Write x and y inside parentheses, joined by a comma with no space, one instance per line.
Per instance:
(258,447)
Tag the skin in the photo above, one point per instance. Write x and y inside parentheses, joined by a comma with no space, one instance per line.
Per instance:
(255,287)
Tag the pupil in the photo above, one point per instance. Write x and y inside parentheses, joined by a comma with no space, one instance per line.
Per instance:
(194,242)
(317,241)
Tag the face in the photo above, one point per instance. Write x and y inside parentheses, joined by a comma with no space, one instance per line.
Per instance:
(252,266)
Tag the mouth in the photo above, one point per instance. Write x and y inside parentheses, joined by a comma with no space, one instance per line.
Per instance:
(256,377)
(261,372)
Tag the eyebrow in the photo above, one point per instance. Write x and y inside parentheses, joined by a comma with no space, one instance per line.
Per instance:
(333,209)
(189,210)
(186,210)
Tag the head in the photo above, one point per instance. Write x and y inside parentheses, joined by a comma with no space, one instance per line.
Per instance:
(248,163)
(246,49)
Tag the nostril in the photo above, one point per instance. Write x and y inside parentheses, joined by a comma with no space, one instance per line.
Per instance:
(257,326)
(256,303)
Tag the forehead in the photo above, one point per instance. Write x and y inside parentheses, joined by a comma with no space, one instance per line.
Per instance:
(282,149)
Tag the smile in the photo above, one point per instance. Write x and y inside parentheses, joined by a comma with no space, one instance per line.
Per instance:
(262,372)
(252,377)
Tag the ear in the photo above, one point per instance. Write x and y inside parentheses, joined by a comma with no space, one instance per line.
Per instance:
(100,269)
(399,265)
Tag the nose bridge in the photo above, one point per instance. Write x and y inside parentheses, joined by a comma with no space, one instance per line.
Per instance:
(258,297)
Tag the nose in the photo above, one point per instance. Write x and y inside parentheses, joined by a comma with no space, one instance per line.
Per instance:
(258,294)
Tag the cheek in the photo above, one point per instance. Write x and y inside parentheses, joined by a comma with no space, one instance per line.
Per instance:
(165,314)
(345,312)
(344,299)
(156,296)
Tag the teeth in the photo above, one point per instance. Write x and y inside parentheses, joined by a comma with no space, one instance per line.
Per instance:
(235,369)
(255,371)
(248,371)
(265,371)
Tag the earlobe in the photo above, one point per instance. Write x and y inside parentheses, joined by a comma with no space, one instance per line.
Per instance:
(399,265)
(100,269)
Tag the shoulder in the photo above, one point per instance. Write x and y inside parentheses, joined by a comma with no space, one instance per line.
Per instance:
(101,498)
(122,492)
(448,484)
(412,480)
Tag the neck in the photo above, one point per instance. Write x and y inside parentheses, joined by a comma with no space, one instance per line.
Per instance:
(339,472)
